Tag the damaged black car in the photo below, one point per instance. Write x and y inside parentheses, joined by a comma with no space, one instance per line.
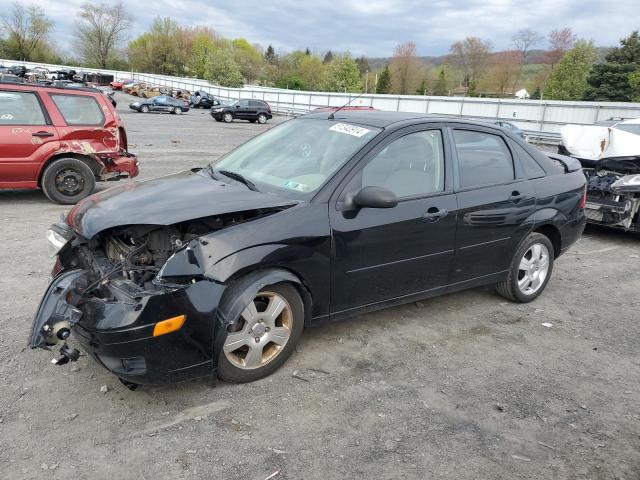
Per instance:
(216,271)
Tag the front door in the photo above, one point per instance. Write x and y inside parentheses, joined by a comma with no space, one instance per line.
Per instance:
(494,204)
(380,254)
(26,138)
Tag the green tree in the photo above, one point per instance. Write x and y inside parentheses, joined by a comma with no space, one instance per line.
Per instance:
(440,87)
(328,57)
(158,50)
(311,72)
(204,44)
(384,81)
(634,83)
(568,81)
(248,59)
(28,30)
(342,74)
(223,70)
(610,80)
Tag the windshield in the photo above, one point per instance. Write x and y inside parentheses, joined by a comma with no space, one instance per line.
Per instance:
(629,127)
(297,157)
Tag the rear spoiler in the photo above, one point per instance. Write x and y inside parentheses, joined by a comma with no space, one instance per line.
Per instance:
(569,164)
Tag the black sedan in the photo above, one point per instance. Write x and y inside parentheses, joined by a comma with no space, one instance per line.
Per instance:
(218,270)
(252,110)
(161,104)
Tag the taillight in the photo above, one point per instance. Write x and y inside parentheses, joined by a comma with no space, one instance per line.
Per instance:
(268,108)
(583,202)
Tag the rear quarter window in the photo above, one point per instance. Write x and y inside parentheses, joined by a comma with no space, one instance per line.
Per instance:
(20,108)
(531,168)
(78,109)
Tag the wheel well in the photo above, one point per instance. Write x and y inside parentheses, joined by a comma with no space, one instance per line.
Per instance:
(553,234)
(299,284)
(94,165)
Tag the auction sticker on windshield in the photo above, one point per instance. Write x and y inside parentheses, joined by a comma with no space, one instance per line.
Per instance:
(300,187)
(349,129)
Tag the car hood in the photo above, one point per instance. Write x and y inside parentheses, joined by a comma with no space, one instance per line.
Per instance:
(165,201)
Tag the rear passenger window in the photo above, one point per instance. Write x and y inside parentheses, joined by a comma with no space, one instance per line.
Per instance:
(483,159)
(20,108)
(531,168)
(78,110)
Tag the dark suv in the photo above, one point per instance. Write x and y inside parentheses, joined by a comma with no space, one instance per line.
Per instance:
(252,110)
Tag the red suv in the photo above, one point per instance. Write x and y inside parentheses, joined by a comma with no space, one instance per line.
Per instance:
(60,139)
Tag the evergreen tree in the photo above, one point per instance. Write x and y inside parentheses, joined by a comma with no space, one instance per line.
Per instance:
(328,57)
(307,52)
(384,81)
(270,55)
(568,81)
(634,83)
(440,88)
(422,88)
(610,80)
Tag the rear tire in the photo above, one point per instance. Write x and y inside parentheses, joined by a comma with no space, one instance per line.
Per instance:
(177,110)
(529,271)
(236,365)
(67,181)
(262,119)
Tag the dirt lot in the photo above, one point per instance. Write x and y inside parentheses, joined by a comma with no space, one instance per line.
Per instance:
(465,386)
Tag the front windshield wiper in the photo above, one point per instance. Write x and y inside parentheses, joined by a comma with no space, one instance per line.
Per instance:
(240,178)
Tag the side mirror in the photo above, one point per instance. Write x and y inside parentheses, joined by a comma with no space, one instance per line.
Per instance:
(373,197)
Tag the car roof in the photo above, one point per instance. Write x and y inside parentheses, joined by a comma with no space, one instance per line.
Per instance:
(382,119)
(36,86)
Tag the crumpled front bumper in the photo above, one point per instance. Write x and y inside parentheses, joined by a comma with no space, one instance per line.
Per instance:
(118,332)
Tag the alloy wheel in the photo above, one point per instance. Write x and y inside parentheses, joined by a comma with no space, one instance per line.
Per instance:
(533,269)
(261,333)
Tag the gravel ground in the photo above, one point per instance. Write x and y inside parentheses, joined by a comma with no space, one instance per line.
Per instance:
(465,386)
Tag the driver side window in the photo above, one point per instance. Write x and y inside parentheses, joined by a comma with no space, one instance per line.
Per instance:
(409,166)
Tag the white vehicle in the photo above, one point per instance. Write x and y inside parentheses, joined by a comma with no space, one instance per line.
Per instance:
(609,152)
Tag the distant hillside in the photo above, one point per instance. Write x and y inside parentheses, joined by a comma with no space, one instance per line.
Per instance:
(535,57)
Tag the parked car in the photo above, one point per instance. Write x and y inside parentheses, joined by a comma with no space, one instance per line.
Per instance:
(118,84)
(18,70)
(609,152)
(161,104)
(202,99)
(60,139)
(251,110)
(151,92)
(10,78)
(319,218)
(511,128)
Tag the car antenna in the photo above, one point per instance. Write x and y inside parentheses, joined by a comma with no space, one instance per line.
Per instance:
(331,117)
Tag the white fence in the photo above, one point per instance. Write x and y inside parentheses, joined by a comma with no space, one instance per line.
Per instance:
(543,117)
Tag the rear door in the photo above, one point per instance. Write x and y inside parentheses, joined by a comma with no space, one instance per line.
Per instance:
(27,138)
(242,109)
(385,253)
(495,200)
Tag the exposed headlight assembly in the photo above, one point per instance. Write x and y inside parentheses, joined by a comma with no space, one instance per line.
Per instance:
(57,237)
(628,183)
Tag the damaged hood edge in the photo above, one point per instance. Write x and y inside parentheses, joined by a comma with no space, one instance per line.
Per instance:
(167,200)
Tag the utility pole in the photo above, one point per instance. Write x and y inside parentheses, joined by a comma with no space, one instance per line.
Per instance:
(366,82)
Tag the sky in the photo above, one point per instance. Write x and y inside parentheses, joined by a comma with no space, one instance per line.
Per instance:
(371,27)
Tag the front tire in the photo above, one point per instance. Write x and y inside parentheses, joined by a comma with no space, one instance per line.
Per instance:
(144,109)
(530,269)
(265,335)
(227,117)
(67,181)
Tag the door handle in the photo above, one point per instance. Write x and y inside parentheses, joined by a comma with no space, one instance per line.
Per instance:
(516,196)
(42,134)
(434,214)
